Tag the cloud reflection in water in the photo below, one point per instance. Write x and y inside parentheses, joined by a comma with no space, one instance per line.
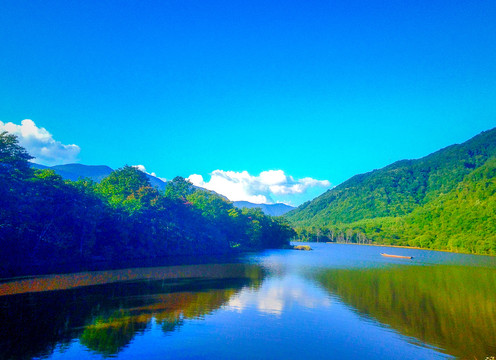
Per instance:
(278,294)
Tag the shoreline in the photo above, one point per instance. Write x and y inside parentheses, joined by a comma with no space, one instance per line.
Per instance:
(67,281)
(397,246)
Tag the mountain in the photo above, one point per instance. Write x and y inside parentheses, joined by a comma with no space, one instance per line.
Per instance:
(94,172)
(156,182)
(268,209)
(446,200)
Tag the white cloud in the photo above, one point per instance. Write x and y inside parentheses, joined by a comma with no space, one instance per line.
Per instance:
(265,188)
(143,169)
(40,143)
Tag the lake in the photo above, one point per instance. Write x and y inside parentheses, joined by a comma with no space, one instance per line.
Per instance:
(335,302)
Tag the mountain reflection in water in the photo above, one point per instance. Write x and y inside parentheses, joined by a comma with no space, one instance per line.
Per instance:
(451,307)
(335,302)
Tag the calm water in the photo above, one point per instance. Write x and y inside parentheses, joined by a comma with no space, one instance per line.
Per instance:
(335,302)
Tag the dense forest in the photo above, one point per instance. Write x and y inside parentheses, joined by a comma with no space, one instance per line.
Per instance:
(45,219)
(446,200)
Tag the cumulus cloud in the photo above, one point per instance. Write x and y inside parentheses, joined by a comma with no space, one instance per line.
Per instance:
(143,169)
(262,189)
(40,144)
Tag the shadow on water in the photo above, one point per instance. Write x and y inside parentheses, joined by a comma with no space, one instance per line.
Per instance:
(446,306)
(23,270)
(106,310)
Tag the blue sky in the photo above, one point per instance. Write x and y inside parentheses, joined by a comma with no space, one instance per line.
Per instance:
(317,89)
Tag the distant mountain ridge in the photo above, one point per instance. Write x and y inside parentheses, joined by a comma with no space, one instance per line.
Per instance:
(403,203)
(95,172)
(277,209)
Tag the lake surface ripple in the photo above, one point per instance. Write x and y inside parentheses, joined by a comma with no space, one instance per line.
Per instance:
(335,302)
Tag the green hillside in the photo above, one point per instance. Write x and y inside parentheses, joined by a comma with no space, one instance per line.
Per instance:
(446,200)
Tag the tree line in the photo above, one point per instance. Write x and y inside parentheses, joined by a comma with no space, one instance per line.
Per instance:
(44,218)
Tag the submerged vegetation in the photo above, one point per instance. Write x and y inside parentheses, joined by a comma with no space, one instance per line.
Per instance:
(444,201)
(44,218)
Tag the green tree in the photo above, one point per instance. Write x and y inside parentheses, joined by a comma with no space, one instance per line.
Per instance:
(14,159)
(124,188)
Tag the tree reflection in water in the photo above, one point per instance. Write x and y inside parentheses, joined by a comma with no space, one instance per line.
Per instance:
(109,335)
(107,317)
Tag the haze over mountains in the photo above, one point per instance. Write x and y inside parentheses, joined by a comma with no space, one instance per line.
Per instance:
(75,171)
(446,200)
(268,209)
(95,172)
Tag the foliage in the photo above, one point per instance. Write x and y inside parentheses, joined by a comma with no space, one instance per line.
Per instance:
(446,200)
(302,247)
(46,219)
(13,158)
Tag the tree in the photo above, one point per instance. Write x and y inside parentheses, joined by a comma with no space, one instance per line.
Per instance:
(14,159)
(123,187)
(179,188)
(14,173)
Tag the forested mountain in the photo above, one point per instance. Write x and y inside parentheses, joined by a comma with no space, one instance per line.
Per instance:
(268,209)
(446,200)
(46,219)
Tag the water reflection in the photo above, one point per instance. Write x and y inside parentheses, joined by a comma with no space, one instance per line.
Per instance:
(107,335)
(277,294)
(452,307)
(335,302)
(107,316)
